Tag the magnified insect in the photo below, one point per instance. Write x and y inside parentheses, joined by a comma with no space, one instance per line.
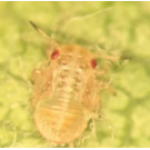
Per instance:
(65,92)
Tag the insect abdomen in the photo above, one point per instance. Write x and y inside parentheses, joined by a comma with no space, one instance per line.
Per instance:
(60,121)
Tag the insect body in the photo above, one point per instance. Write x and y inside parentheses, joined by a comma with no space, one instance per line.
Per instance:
(65,93)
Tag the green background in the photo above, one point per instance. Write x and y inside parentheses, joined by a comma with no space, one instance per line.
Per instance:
(124,28)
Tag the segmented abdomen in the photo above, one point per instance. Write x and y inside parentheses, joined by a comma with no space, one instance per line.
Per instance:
(60,121)
(60,117)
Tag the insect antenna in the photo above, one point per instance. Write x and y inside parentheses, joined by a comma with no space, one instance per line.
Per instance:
(51,42)
(81,18)
(39,30)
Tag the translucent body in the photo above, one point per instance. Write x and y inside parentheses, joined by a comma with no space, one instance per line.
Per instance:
(65,95)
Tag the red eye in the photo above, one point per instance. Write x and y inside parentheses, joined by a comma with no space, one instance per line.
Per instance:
(55,54)
(93,63)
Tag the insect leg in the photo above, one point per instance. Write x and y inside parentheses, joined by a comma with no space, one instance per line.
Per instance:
(112,58)
(71,145)
(36,74)
(107,124)
(107,86)
(88,135)
(36,77)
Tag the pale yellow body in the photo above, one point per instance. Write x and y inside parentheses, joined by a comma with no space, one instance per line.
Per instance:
(65,95)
